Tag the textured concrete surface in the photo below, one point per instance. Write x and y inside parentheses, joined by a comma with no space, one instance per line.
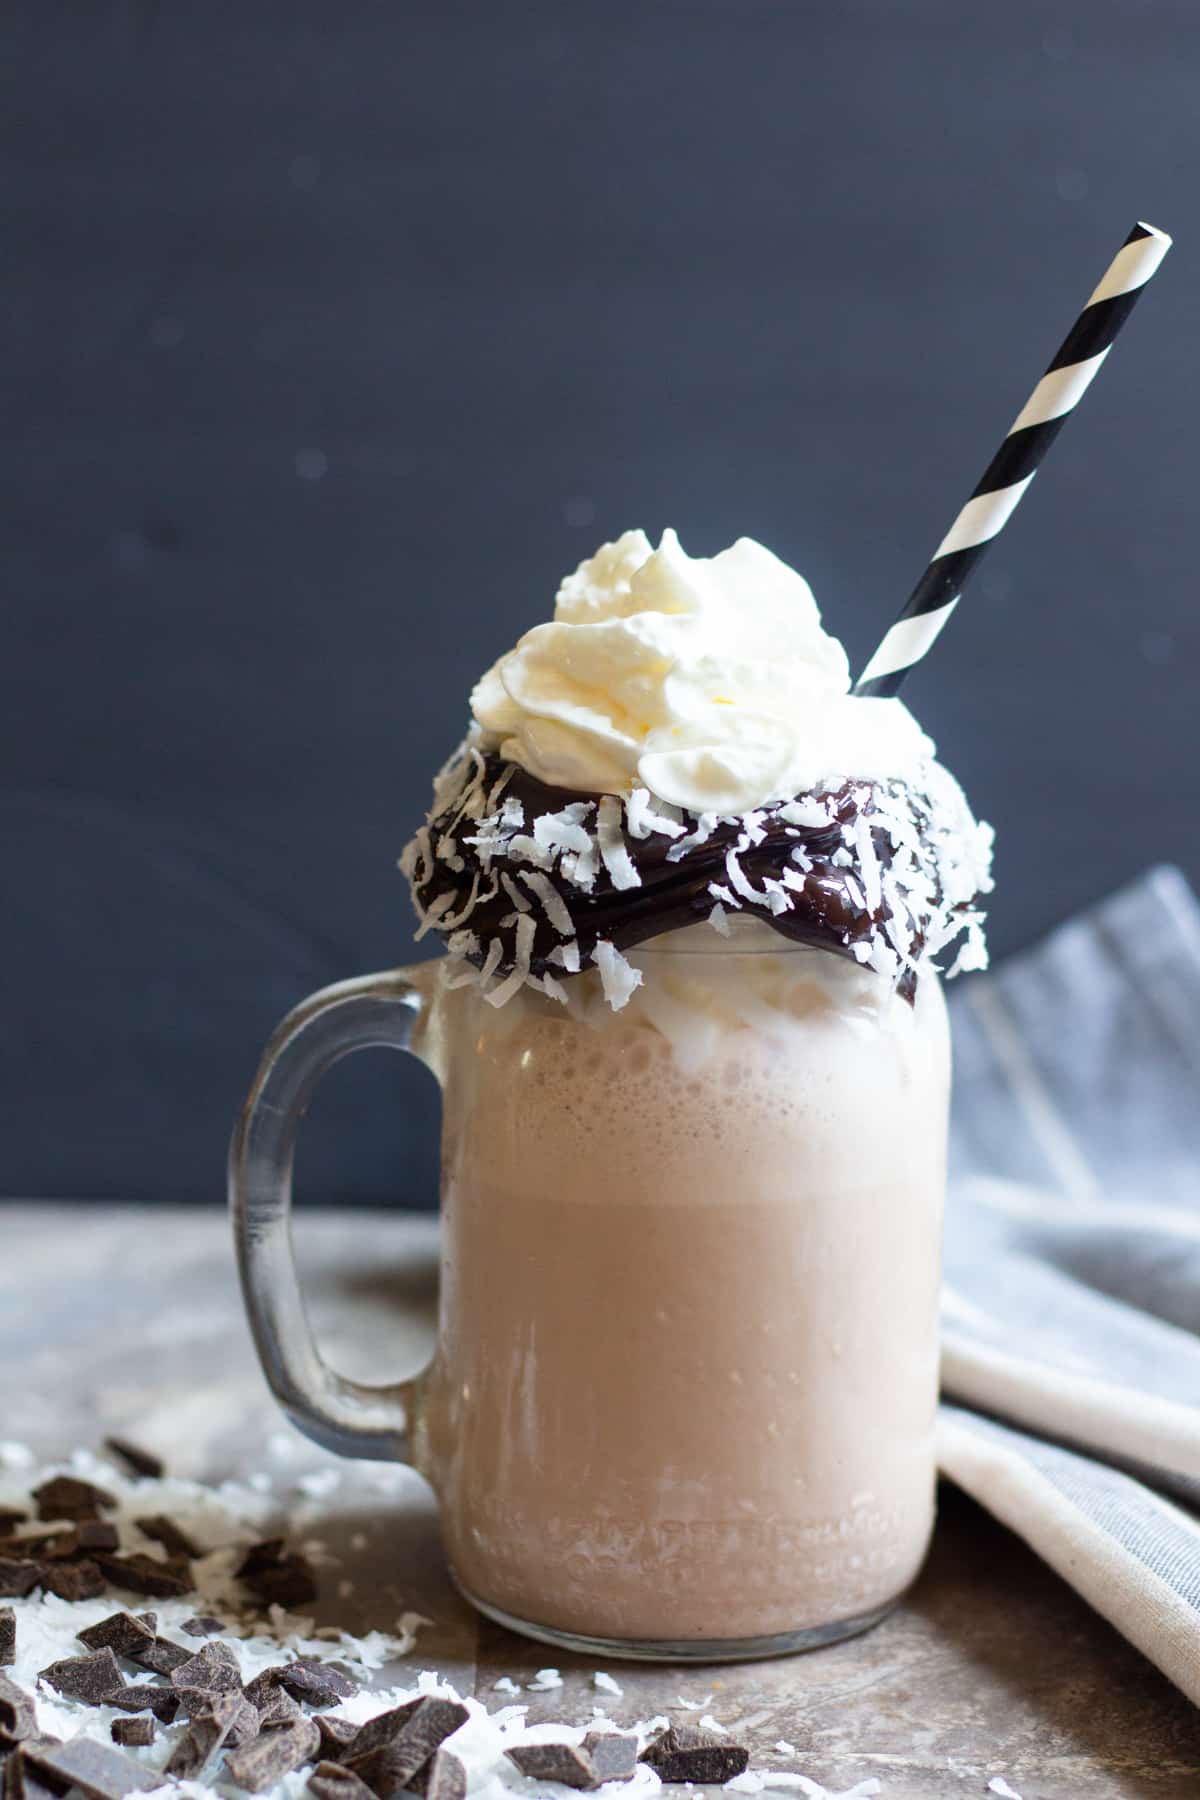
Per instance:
(129,1320)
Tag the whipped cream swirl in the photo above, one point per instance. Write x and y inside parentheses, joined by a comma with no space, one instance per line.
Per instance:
(707,681)
(679,745)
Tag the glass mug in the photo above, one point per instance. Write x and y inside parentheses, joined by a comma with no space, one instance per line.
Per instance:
(682,1400)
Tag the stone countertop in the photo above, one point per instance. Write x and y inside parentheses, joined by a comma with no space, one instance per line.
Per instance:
(128,1320)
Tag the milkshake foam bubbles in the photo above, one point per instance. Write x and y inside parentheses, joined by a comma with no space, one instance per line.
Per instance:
(688,1371)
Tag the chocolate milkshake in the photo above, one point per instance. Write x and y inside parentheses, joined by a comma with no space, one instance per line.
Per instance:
(693,895)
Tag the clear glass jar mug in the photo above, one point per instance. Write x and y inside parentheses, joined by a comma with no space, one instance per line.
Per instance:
(682,1400)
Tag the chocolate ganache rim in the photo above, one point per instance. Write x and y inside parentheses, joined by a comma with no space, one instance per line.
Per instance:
(529,885)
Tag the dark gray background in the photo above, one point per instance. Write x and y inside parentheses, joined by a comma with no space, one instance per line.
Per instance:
(335,334)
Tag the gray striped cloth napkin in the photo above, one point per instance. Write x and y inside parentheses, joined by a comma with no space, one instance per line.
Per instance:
(1071,1307)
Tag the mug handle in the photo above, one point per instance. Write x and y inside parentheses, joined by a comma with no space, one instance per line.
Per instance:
(345,1416)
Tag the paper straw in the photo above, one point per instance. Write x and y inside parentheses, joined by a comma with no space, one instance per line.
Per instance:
(1016,462)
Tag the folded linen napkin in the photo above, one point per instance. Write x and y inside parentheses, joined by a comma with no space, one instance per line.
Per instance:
(1071,1306)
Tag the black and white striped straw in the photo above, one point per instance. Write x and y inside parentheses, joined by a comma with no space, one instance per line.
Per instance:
(1016,462)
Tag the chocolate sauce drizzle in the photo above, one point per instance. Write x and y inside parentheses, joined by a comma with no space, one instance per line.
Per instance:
(521,878)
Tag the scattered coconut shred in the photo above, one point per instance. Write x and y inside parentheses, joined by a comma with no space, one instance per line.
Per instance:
(208,1542)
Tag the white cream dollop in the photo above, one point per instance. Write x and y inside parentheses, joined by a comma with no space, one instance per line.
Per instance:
(709,681)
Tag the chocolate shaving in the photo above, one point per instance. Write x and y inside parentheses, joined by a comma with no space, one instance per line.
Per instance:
(203,1625)
(173,1538)
(96,1770)
(274,1754)
(687,1753)
(18,1576)
(142,1574)
(132,1731)
(144,1696)
(8,1635)
(136,1460)
(614,1755)
(121,1633)
(205,1735)
(90,1678)
(330,1781)
(316,1683)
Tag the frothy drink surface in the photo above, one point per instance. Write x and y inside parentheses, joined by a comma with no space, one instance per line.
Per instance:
(688,1360)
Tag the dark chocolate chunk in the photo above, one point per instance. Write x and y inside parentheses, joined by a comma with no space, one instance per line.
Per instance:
(205,1735)
(383,1729)
(161,1530)
(390,1768)
(263,1555)
(445,1778)
(66,1497)
(10,1516)
(143,1574)
(277,1708)
(73,1581)
(91,1678)
(289,1584)
(135,1730)
(246,1725)
(160,1655)
(335,1734)
(121,1633)
(276,1575)
(388,1771)
(264,1684)
(144,1696)
(96,1770)
(687,1753)
(136,1460)
(149,1620)
(555,1762)
(21,1782)
(273,1754)
(97,1534)
(18,1715)
(329,1781)
(214,1668)
(203,1625)
(18,1576)
(47,1546)
(316,1683)
(8,1634)
(614,1755)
